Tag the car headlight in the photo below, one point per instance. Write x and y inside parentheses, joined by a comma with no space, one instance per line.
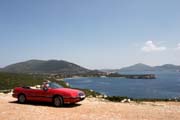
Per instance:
(81,95)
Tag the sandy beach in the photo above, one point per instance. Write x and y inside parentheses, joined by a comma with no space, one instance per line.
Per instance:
(89,109)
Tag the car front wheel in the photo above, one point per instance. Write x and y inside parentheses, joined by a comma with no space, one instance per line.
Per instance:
(58,101)
(21,98)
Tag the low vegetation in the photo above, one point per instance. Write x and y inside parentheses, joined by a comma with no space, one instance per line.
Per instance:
(119,99)
(11,80)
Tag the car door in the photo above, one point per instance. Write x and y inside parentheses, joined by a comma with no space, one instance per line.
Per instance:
(42,95)
(31,94)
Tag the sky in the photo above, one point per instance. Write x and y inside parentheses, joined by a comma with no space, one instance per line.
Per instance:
(96,34)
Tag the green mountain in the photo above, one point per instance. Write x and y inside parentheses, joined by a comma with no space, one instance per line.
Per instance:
(41,66)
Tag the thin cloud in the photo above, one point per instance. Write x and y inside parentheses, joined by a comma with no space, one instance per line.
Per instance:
(151,47)
(178,47)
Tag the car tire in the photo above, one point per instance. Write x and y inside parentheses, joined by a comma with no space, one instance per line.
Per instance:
(21,98)
(58,101)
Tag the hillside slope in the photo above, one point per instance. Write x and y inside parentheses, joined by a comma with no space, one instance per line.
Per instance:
(50,66)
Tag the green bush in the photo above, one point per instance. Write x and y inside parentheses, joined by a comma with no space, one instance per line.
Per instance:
(11,80)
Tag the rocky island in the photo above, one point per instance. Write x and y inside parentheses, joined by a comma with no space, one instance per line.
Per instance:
(133,76)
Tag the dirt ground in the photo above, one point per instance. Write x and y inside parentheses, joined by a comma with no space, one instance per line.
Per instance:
(89,109)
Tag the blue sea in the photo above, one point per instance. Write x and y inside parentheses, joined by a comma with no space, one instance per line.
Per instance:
(166,85)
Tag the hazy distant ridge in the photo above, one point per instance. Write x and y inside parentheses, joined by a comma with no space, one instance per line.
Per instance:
(137,67)
(143,67)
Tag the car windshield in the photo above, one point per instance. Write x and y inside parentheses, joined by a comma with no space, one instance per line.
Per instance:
(54,85)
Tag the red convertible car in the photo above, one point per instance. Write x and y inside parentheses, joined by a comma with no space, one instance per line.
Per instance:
(52,92)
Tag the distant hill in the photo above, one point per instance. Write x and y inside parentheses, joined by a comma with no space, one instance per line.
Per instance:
(142,67)
(168,67)
(138,67)
(41,66)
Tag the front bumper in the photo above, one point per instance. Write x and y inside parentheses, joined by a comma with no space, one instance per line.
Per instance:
(69,100)
(82,97)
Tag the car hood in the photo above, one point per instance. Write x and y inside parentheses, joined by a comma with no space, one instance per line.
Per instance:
(69,89)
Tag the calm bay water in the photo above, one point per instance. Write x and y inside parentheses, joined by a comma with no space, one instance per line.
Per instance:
(166,85)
